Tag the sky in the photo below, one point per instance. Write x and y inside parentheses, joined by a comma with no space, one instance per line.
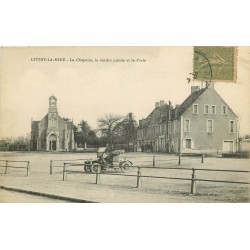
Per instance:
(115,80)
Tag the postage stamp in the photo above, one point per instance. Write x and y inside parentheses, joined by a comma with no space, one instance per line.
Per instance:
(215,63)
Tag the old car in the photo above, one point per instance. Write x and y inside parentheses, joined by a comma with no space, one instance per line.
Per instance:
(108,160)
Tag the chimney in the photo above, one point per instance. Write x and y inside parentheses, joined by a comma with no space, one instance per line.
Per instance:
(140,123)
(161,102)
(157,104)
(194,89)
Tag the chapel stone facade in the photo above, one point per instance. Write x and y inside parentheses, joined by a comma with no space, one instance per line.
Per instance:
(52,133)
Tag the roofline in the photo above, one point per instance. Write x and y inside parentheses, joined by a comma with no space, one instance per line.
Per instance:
(202,91)
(157,108)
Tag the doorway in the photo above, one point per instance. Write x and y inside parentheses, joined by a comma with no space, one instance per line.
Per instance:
(52,142)
(228,146)
(53,145)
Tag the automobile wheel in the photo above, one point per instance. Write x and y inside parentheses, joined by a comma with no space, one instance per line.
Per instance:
(95,168)
(125,167)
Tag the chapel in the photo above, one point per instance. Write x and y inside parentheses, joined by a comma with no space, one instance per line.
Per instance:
(52,133)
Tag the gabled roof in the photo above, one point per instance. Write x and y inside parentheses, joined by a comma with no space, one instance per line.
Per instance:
(162,108)
(44,118)
(188,102)
(35,123)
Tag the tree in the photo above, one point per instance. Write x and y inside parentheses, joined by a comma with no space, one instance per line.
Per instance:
(66,119)
(107,126)
(75,128)
(19,143)
(246,136)
(84,134)
(128,126)
(84,127)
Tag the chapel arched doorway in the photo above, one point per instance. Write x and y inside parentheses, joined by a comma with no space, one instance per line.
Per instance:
(52,142)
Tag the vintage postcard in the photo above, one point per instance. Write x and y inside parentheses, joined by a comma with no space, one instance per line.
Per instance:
(125,124)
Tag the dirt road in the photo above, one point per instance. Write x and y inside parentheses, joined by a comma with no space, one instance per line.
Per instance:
(123,188)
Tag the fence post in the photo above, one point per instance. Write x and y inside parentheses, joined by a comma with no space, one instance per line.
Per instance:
(193,182)
(202,158)
(51,171)
(179,163)
(64,172)
(6,167)
(97,178)
(28,168)
(139,184)
(153,161)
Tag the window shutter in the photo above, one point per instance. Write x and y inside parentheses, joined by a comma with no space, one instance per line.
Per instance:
(192,144)
(183,143)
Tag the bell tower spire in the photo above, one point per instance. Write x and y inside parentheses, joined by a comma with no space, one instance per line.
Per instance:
(52,104)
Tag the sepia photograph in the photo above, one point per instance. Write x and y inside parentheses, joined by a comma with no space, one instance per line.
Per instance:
(124,125)
(132,124)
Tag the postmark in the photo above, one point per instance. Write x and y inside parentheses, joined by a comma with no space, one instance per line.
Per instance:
(215,63)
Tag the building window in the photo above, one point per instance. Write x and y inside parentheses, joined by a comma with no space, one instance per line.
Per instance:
(231,127)
(224,109)
(213,109)
(188,143)
(210,126)
(186,125)
(206,109)
(195,108)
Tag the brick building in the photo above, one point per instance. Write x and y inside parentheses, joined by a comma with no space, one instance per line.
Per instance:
(52,133)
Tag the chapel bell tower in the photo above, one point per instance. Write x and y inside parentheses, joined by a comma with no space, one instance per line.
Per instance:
(52,104)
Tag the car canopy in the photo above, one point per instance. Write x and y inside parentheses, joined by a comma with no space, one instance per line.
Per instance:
(101,151)
(118,152)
